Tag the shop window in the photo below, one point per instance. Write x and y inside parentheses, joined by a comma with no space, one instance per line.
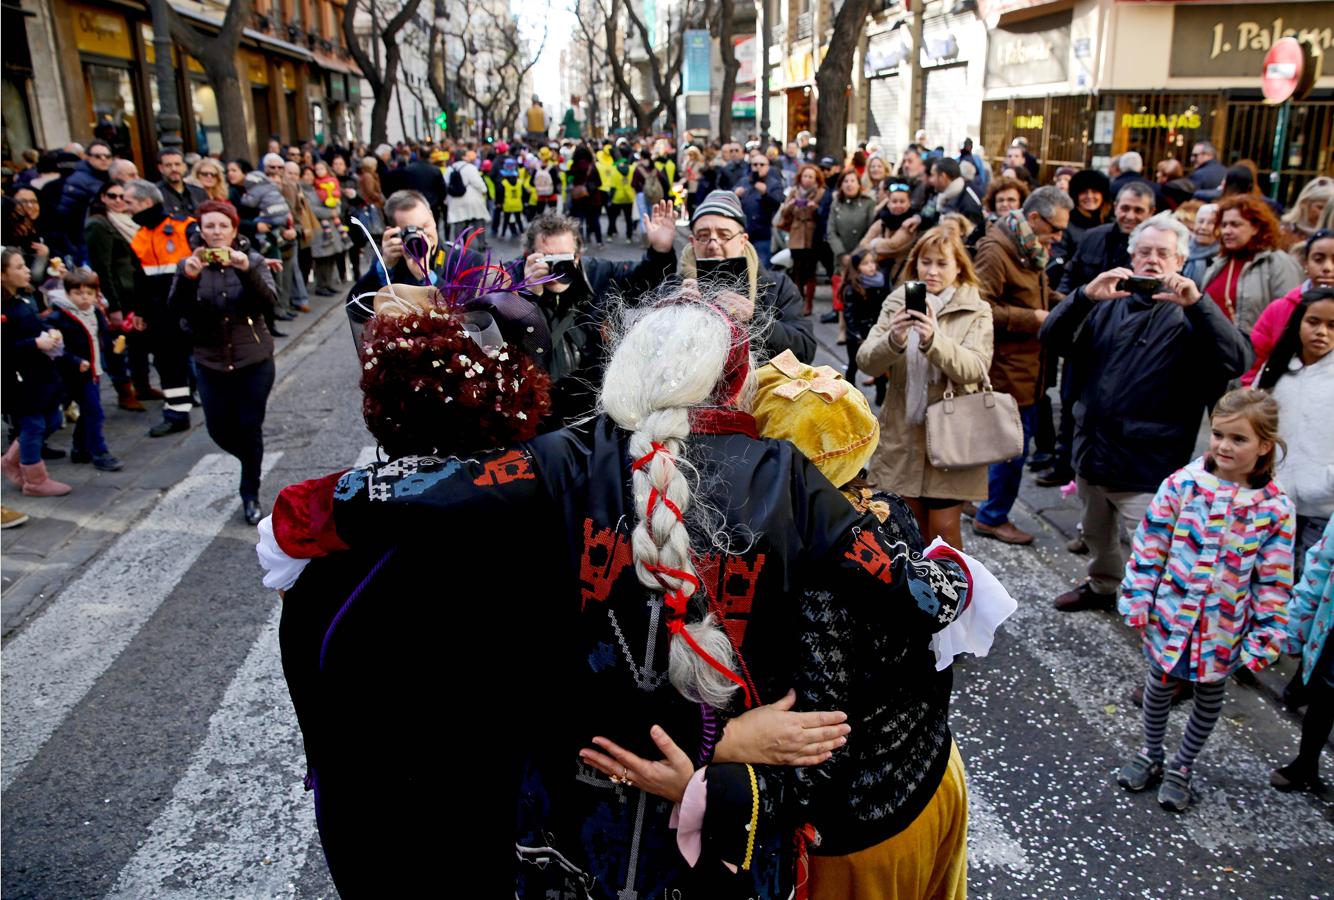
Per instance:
(208,124)
(110,93)
(1310,146)
(18,125)
(317,120)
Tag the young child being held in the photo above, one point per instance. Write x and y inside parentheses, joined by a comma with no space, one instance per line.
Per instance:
(87,342)
(1208,583)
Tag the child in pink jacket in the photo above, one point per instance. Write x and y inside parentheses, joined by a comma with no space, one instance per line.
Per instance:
(1269,327)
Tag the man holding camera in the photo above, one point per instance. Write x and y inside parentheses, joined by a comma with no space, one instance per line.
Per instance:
(761,198)
(1149,357)
(409,239)
(573,303)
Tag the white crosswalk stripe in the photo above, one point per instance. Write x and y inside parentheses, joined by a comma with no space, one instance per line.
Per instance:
(52,663)
(238,823)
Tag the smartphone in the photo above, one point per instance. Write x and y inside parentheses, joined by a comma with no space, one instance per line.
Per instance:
(914,296)
(217,255)
(1138,284)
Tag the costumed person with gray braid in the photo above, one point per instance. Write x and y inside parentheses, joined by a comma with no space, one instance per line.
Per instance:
(678,597)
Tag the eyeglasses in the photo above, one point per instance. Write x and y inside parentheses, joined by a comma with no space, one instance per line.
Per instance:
(1162,253)
(704,238)
(27,203)
(1055,229)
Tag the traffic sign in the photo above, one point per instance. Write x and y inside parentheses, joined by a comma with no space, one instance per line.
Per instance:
(442,120)
(1289,70)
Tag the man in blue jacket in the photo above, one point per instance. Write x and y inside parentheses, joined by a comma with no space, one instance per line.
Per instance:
(77,192)
(1208,172)
(760,199)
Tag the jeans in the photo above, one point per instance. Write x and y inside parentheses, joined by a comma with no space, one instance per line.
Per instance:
(1003,478)
(88,436)
(234,405)
(762,249)
(33,431)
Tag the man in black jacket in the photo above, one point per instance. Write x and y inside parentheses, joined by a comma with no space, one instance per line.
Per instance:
(180,199)
(404,210)
(1208,172)
(575,304)
(1146,367)
(1105,247)
(718,232)
(952,194)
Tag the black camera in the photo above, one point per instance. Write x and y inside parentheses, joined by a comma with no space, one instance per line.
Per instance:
(415,242)
(1138,284)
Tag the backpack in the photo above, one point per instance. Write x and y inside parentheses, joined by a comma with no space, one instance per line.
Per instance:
(543,184)
(456,186)
(653,192)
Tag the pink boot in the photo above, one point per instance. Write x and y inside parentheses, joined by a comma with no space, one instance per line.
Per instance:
(10,465)
(36,483)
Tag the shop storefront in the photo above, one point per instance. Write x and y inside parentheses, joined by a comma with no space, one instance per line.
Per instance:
(798,95)
(1029,80)
(112,77)
(17,99)
(1198,78)
(886,91)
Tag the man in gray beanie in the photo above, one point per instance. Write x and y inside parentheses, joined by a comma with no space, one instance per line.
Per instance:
(720,248)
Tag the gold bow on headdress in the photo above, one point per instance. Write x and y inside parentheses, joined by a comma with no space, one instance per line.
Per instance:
(820,380)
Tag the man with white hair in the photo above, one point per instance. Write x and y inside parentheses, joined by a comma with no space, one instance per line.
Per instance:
(1147,358)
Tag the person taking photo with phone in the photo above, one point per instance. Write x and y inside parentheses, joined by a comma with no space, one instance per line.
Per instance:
(1141,399)
(934,332)
(224,294)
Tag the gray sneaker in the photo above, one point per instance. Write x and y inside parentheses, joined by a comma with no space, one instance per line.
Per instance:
(1175,793)
(1139,773)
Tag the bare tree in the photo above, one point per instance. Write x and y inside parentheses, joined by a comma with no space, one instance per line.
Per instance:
(381,73)
(596,55)
(495,59)
(217,54)
(831,125)
(667,84)
(610,11)
(731,65)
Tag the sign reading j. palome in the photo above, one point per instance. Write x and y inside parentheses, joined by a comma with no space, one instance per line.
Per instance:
(1233,40)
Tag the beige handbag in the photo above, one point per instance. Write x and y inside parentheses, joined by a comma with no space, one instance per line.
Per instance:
(967,430)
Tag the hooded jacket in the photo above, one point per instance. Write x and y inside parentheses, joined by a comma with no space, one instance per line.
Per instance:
(1209,575)
(1143,373)
(1306,469)
(87,337)
(224,311)
(1311,613)
(266,198)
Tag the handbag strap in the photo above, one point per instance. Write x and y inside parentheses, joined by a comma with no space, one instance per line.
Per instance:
(949,386)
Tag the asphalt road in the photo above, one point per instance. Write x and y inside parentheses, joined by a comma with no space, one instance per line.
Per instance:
(150,750)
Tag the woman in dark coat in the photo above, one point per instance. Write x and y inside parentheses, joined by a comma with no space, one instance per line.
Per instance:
(225,294)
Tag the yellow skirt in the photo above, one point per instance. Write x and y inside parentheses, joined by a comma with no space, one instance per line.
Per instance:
(928,859)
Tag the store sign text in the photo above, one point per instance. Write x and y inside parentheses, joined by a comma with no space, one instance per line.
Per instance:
(1255,36)
(1023,122)
(1149,120)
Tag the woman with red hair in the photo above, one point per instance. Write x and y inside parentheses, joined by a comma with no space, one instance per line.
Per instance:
(1250,272)
(225,295)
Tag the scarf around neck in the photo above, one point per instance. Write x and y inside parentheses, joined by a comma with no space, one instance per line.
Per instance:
(1031,251)
(125,224)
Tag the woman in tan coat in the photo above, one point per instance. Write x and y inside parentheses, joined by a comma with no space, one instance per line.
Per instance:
(922,355)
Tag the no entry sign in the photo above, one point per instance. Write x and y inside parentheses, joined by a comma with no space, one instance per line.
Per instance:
(1289,70)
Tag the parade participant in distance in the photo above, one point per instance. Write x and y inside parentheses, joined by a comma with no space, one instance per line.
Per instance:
(224,294)
(623,494)
(948,346)
(720,251)
(1208,583)
(1140,401)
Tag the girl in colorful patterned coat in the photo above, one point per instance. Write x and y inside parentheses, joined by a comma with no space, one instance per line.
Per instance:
(1309,628)
(1208,583)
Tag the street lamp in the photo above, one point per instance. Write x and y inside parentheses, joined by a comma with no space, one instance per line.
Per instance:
(169,109)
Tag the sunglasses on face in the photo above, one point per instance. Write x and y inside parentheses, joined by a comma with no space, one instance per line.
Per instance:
(208,174)
(99,156)
(899,186)
(115,196)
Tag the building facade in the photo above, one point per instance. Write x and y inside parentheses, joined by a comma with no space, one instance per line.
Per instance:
(89,73)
